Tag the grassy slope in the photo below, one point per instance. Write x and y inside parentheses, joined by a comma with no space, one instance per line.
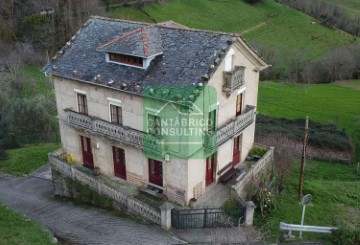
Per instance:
(281,26)
(353,6)
(328,103)
(42,85)
(335,189)
(15,229)
(27,159)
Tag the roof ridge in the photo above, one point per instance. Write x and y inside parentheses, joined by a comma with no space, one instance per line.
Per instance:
(198,30)
(120,20)
(120,38)
(145,41)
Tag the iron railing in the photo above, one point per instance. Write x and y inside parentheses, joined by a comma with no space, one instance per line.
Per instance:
(229,130)
(121,133)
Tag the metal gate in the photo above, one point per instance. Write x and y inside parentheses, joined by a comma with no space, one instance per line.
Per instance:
(206,218)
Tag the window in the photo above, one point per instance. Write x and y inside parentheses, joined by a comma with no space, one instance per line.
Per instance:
(154,125)
(212,121)
(239,100)
(82,104)
(126,59)
(115,114)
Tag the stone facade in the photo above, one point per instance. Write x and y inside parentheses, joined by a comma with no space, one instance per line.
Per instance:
(182,179)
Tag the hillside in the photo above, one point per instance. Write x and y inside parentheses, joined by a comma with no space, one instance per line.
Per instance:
(269,22)
(327,103)
(352,6)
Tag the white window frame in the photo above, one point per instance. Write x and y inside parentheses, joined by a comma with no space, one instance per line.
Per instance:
(78,91)
(115,102)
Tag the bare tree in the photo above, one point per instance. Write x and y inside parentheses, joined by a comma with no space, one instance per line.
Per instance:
(339,64)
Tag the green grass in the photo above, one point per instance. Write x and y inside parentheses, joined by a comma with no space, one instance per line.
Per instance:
(279,25)
(326,103)
(336,194)
(16,229)
(27,159)
(352,6)
(36,82)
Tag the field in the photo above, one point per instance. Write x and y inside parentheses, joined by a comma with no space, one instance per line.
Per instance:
(327,103)
(270,23)
(352,6)
(27,159)
(17,229)
(336,201)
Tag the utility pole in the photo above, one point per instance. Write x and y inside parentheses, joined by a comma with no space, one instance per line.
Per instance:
(303,158)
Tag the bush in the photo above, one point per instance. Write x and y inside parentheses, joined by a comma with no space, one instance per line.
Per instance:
(257,151)
(232,208)
(3,155)
(346,236)
(265,201)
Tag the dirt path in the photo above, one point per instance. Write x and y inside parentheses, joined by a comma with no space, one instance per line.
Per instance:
(254,27)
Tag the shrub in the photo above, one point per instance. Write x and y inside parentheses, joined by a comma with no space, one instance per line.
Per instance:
(264,200)
(3,155)
(232,208)
(346,236)
(258,151)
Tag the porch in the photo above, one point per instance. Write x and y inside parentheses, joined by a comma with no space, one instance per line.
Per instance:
(218,193)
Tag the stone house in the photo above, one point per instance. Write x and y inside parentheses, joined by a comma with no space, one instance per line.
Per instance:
(159,106)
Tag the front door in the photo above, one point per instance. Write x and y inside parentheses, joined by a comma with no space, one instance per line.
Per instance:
(155,172)
(119,162)
(236,150)
(86,152)
(210,167)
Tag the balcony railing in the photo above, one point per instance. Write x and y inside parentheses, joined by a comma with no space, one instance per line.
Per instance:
(229,130)
(123,134)
(233,79)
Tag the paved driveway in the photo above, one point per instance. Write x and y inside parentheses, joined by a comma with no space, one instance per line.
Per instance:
(74,223)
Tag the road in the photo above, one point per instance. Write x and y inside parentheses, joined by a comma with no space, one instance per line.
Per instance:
(73,223)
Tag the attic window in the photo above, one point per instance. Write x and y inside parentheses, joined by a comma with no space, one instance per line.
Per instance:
(126,59)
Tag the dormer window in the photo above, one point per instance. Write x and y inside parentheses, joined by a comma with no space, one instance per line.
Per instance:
(126,59)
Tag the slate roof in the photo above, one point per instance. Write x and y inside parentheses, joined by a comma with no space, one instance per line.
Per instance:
(141,42)
(189,57)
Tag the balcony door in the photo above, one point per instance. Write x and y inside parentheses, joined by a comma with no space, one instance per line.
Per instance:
(237,150)
(87,152)
(210,168)
(119,162)
(239,104)
(155,172)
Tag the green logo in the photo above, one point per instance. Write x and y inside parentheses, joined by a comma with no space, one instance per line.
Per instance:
(180,121)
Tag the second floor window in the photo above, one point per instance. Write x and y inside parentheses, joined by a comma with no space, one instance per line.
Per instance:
(116,114)
(212,121)
(82,104)
(239,101)
(154,124)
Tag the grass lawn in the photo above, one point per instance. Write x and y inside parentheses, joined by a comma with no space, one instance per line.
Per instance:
(327,103)
(27,159)
(336,200)
(270,22)
(16,229)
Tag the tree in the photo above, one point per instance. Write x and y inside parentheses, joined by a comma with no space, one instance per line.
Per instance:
(339,64)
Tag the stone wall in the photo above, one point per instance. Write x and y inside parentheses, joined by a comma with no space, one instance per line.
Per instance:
(121,200)
(261,168)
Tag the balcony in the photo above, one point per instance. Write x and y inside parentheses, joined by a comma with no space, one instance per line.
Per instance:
(126,135)
(229,130)
(233,79)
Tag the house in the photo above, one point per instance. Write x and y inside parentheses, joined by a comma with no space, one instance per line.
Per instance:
(157,106)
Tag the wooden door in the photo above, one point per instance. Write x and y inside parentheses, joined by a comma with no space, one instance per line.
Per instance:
(210,167)
(237,150)
(119,162)
(87,152)
(155,172)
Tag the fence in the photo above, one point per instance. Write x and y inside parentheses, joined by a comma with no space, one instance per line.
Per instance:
(130,203)
(207,217)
